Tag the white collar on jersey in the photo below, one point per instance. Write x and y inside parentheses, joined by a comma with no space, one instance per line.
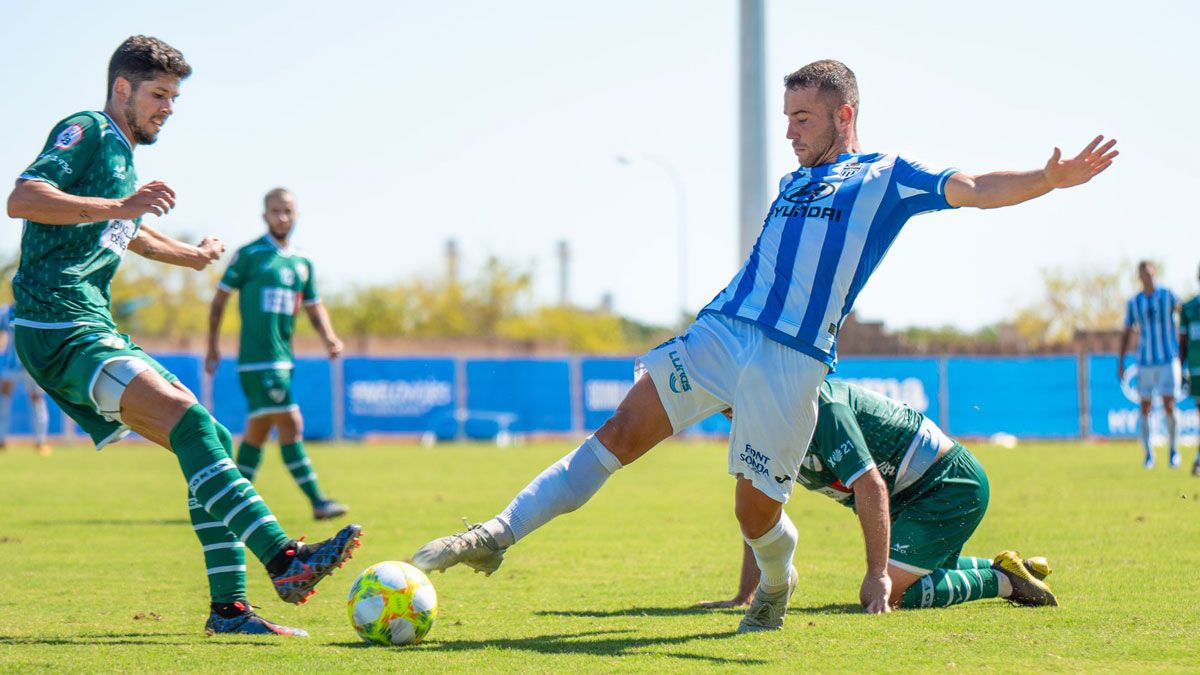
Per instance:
(283,250)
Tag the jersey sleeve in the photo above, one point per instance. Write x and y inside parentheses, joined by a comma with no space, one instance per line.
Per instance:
(848,456)
(235,275)
(309,292)
(65,158)
(922,187)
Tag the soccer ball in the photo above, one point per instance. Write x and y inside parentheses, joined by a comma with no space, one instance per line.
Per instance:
(392,603)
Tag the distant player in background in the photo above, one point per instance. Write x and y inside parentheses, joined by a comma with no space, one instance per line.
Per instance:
(12,372)
(919,496)
(1189,354)
(273,281)
(1152,311)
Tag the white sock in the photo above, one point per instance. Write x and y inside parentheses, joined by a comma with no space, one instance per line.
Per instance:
(41,420)
(773,551)
(1144,433)
(1005,584)
(563,487)
(1173,431)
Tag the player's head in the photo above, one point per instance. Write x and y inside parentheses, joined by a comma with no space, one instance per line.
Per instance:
(143,82)
(1146,270)
(279,213)
(821,104)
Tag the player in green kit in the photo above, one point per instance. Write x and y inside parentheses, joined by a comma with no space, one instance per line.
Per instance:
(1189,354)
(273,280)
(919,497)
(82,211)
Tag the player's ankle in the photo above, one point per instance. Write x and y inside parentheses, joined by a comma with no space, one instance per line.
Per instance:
(279,563)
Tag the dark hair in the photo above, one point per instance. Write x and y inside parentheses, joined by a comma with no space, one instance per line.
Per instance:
(140,58)
(1147,265)
(276,193)
(828,76)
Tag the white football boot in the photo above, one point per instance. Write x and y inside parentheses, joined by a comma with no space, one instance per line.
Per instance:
(768,609)
(475,548)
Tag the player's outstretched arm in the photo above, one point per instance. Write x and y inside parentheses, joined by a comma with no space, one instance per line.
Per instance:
(41,202)
(1006,188)
(871,503)
(154,245)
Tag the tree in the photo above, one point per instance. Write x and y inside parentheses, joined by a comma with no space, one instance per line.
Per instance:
(1088,298)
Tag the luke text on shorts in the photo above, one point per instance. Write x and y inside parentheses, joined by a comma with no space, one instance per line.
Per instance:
(273,280)
(82,210)
(918,494)
(764,345)
(1152,311)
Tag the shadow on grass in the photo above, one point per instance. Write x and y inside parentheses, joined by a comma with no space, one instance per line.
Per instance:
(113,521)
(832,608)
(112,639)
(592,643)
(686,610)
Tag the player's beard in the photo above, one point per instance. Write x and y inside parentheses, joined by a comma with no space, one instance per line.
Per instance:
(140,135)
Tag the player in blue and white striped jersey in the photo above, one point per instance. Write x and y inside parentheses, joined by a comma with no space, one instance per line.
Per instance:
(12,373)
(765,343)
(1158,374)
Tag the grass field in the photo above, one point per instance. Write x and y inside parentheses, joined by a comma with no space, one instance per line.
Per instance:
(100,571)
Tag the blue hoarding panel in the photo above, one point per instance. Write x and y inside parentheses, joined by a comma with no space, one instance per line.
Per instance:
(536,391)
(605,383)
(396,395)
(1113,404)
(1024,396)
(913,382)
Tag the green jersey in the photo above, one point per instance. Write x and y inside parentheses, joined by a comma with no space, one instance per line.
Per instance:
(858,429)
(65,271)
(1189,326)
(272,282)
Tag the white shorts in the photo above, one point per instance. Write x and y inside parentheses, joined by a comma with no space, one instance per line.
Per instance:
(1161,380)
(721,362)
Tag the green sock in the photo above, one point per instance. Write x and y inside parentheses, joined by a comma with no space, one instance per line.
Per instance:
(298,463)
(218,486)
(966,562)
(942,588)
(224,555)
(248,459)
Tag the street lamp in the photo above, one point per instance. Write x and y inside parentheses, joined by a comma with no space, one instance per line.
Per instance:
(680,216)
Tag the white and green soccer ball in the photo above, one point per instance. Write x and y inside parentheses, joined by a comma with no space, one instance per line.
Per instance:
(392,603)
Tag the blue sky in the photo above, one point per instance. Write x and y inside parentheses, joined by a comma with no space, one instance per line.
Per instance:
(402,124)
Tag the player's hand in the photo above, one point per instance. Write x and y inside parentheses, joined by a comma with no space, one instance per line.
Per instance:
(723,604)
(334,347)
(875,591)
(210,249)
(211,361)
(1065,173)
(155,197)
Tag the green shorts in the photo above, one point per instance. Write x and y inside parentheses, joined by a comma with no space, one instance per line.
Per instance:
(268,391)
(929,530)
(65,363)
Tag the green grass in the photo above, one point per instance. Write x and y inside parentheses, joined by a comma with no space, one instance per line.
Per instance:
(90,542)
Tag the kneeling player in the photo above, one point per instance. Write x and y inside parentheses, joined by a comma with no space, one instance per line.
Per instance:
(919,496)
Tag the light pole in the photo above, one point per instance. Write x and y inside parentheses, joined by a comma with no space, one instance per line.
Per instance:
(680,216)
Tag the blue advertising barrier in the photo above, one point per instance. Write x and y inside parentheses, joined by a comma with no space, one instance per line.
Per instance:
(1035,396)
(605,383)
(1113,405)
(384,395)
(912,381)
(536,392)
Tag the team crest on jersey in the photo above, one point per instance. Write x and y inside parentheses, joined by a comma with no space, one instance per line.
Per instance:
(68,137)
(286,276)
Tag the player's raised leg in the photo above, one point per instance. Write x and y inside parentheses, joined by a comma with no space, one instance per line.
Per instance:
(129,390)
(639,423)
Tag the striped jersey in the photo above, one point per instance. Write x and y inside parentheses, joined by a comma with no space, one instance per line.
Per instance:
(8,360)
(824,235)
(1154,316)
